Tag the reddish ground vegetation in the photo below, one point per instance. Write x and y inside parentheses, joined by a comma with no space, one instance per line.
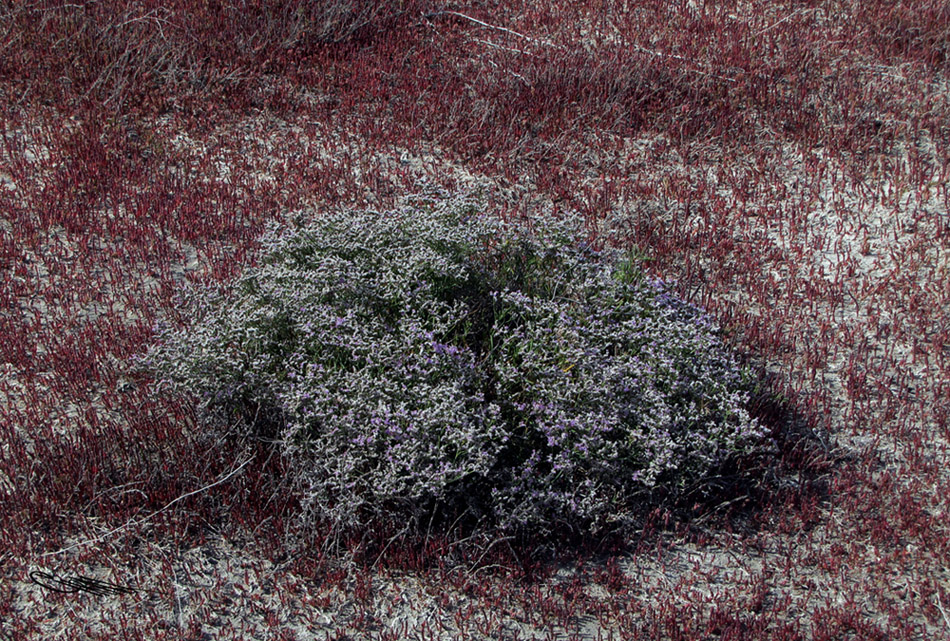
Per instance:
(785,163)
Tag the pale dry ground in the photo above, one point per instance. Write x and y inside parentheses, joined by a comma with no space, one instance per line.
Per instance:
(231,589)
(223,588)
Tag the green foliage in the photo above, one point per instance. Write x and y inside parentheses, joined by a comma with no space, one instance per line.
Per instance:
(434,358)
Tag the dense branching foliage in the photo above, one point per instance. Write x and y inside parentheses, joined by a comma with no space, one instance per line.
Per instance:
(433,356)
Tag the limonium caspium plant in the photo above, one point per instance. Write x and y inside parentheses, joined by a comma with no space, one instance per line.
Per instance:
(438,358)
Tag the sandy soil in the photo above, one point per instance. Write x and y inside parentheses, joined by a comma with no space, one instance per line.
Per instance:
(224,588)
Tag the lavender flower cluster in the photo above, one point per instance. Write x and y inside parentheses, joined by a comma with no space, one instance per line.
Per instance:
(434,355)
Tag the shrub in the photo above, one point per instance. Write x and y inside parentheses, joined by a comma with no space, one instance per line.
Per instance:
(432,358)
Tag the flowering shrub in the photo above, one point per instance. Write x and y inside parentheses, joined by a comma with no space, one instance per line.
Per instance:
(432,358)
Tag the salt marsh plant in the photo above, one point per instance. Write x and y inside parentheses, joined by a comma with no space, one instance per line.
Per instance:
(437,358)
(782,163)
